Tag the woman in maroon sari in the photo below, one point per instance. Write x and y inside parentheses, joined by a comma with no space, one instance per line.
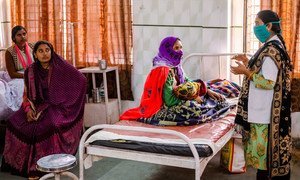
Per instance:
(50,120)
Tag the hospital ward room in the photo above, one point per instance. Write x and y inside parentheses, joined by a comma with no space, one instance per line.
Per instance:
(150,89)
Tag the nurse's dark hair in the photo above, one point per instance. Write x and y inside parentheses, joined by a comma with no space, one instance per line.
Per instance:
(270,16)
(15,30)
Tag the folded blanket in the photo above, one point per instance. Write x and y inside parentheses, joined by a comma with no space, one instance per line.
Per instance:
(228,88)
(189,112)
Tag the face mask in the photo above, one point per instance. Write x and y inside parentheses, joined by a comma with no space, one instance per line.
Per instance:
(261,32)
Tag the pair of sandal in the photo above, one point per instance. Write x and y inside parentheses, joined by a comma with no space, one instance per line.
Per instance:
(33,178)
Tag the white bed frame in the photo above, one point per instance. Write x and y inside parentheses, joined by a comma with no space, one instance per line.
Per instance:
(196,163)
(201,58)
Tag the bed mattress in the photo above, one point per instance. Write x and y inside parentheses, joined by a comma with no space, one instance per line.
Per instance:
(206,137)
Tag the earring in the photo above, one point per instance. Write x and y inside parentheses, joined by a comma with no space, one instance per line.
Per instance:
(269,25)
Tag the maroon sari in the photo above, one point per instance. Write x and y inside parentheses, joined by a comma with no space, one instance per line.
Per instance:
(59,95)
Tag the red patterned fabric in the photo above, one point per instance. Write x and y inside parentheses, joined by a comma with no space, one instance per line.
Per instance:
(151,100)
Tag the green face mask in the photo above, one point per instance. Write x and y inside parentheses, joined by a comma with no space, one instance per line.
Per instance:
(261,32)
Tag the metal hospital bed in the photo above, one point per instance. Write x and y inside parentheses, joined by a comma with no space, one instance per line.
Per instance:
(122,130)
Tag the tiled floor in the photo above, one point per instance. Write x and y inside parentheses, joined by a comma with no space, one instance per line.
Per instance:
(115,169)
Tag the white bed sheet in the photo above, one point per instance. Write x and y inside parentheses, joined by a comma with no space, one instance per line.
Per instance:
(11,92)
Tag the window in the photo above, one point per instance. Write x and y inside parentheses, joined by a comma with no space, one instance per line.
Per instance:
(252,43)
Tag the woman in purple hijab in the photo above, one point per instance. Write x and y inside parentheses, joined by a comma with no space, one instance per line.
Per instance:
(170,54)
(50,119)
(160,105)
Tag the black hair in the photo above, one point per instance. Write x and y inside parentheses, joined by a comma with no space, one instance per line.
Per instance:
(270,16)
(15,30)
(36,46)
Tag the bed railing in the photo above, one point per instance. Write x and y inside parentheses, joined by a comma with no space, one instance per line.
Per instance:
(196,161)
(223,61)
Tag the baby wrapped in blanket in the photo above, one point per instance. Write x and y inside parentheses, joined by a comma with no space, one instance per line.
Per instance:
(190,90)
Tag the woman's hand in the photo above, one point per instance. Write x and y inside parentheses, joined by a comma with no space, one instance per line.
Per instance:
(240,69)
(215,96)
(242,58)
(199,100)
(31,116)
(174,83)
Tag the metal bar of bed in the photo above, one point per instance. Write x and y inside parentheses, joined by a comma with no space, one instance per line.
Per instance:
(193,162)
(218,56)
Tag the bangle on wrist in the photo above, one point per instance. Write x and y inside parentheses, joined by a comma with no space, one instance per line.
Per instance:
(250,76)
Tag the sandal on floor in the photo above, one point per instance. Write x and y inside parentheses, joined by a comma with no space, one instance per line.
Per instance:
(33,178)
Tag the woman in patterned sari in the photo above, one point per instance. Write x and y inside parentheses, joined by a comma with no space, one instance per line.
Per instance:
(160,103)
(265,101)
(50,120)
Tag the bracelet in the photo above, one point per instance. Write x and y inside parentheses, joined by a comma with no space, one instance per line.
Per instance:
(250,76)
(26,106)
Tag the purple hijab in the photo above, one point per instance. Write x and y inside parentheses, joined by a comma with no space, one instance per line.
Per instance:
(168,57)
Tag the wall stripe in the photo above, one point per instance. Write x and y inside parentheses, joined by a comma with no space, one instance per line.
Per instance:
(193,26)
(169,25)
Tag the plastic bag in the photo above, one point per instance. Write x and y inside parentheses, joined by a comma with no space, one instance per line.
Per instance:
(233,157)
